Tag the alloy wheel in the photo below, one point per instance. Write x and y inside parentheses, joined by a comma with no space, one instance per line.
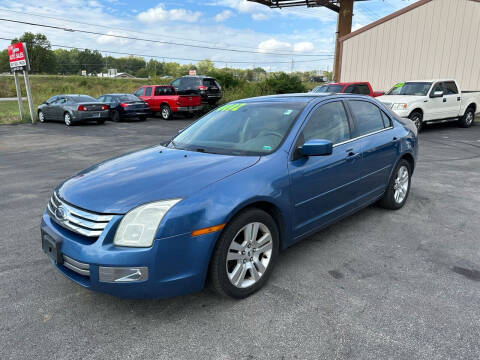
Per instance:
(249,255)
(165,113)
(401,185)
(41,116)
(469,118)
(68,119)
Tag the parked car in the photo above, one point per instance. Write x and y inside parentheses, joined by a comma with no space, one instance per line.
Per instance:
(125,106)
(73,109)
(431,101)
(166,100)
(362,88)
(226,194)
(205,86)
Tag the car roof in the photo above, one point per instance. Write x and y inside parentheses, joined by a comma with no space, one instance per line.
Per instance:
(297,97)
(198,76)
(117,94)
(431,80)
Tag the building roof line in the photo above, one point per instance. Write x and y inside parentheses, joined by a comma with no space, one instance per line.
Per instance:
(388,18)
(385,19)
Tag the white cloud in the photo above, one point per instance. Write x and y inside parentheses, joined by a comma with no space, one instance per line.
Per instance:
(105,39)
(224,15)
(159,13)
(303,46)
(94,3)
(260,16)
(276,45)
(273,44)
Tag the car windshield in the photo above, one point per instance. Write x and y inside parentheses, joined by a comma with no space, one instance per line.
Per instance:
(410,88)
(328,89)
(128,97)
(82,98)
(240,129)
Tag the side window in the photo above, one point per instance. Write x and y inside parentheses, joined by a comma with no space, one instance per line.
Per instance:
(437,87)
(159,90)
(328,122)
(169,91)
(350,89)
(148,91)
(386,120)
(368,117)
(363,89)
(450,88)
(52,99)
(139,92)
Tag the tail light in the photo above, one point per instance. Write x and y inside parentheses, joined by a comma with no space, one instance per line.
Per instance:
(201,87)
(104,107)
(81,108)
(124,105)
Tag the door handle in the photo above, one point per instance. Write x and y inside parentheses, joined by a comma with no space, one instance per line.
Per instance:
(444,100)
(459,98)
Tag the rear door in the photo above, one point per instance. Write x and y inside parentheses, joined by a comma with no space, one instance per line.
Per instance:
(323,187)
(374,130)
(452,105)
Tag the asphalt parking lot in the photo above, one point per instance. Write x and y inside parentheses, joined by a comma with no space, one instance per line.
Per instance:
(378,285)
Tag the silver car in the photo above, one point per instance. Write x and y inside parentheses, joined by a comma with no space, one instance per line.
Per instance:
(72,109)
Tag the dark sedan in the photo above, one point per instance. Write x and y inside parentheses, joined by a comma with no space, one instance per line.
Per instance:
(73,109)
(125,106)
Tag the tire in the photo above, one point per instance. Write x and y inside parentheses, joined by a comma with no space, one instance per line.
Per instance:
(417,118)
(41,116)
(467,119)
(100,122)
(248,268)
(116,116)
(395,198)
(67,118)
(165,112)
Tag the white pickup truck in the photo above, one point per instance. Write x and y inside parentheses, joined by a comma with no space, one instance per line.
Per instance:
(430,101)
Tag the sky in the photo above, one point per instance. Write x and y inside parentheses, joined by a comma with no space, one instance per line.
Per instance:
(305,35)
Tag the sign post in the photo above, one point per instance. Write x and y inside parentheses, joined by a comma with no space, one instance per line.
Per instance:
(18,57)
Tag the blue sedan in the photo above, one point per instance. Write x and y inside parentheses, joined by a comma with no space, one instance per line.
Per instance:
(226,194)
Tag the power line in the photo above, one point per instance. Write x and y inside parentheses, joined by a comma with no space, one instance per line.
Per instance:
(159,41)
(174,58)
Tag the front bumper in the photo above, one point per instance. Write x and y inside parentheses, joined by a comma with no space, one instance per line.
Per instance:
(176,265)
(403,113)
(189,108)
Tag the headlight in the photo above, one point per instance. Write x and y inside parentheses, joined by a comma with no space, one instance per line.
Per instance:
(138,227)
(399,106)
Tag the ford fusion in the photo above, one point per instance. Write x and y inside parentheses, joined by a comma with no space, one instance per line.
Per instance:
(219,201)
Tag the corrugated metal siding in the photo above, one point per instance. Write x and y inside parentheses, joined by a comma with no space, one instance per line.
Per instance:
(440,39)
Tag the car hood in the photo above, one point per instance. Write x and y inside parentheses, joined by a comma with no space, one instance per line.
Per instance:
(120,184)
(402,99)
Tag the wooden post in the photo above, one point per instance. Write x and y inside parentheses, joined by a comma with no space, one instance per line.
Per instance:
(29,95)
(19,95)
(344,27)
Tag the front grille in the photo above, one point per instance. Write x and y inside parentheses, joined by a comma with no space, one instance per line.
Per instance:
(79,221)
(76,266)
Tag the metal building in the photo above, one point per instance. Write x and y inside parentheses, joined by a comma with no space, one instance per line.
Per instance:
(428,39)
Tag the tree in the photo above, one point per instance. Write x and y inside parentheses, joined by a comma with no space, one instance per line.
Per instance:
(205,67)
(4,63)
(42,59)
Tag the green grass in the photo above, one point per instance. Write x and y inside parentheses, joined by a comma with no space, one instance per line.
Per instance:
(10,114)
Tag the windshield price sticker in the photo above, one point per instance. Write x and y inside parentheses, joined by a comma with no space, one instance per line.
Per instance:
(230,107)
(399,85)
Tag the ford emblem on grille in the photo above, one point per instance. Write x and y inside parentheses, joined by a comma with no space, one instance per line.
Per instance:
(61,213)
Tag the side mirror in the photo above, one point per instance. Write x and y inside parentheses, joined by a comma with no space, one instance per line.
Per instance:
(436,94)
(317,148)
(45,103)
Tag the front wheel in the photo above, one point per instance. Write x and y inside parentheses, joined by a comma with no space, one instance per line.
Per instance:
(165,112)
(41,116)
(467,119)
(417,118)
(398,188)
(245,254)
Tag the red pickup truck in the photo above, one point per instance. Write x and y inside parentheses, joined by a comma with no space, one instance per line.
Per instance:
(360,87)
(164,99)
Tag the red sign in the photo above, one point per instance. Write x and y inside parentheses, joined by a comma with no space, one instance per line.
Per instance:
(17,55)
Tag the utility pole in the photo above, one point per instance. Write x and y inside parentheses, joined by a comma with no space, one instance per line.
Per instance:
(293,66)
(344,27)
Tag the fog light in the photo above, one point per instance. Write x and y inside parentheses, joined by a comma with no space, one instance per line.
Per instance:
(122,274)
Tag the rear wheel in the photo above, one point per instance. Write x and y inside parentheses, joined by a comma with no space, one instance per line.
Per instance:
(398,187)
(417,118)
(165,112)
(67,118)
(41,116)
(245,254)
(467,119)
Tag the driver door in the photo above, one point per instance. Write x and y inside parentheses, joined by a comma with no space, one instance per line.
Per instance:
(437,107)
(323,188)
